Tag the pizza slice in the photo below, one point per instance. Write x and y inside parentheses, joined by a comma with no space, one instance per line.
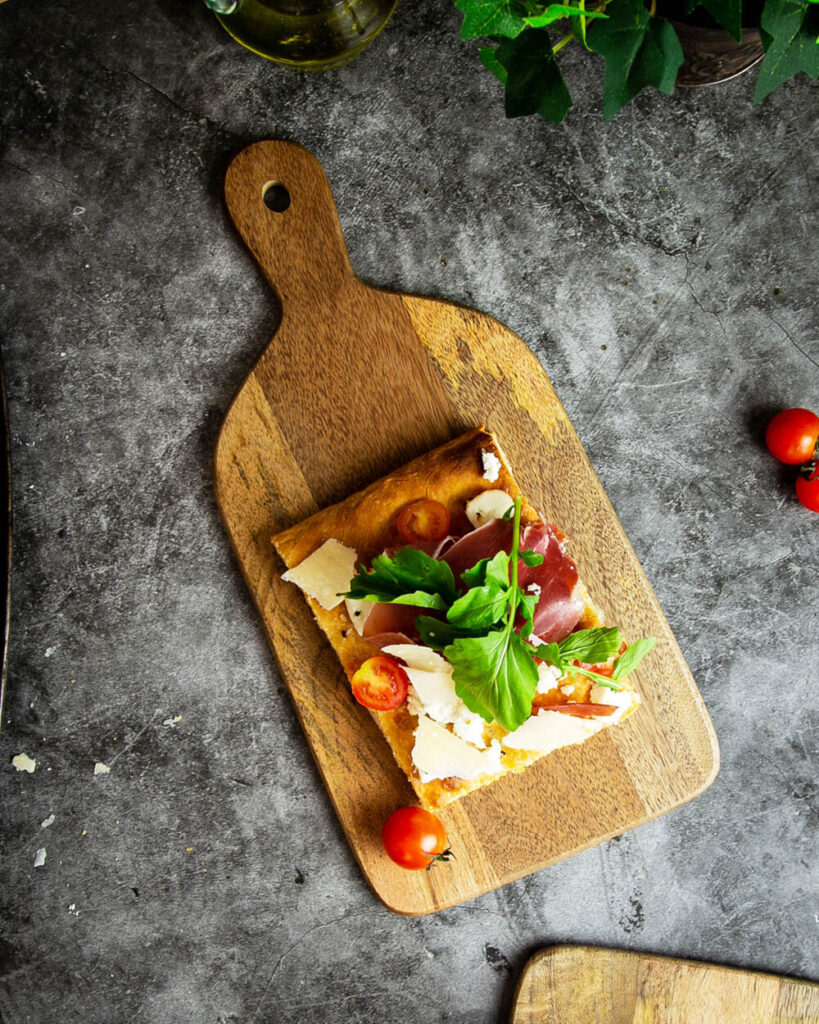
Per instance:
(461,620)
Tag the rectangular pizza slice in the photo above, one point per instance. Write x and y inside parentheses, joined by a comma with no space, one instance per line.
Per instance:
(460,619)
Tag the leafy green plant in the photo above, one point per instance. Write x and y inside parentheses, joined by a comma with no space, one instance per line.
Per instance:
(639,47)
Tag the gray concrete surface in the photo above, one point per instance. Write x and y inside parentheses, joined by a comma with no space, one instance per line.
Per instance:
(663,268)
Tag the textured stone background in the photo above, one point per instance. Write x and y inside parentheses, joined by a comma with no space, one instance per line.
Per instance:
(663,267)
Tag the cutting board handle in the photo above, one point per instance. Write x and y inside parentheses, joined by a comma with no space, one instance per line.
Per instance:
(281,203)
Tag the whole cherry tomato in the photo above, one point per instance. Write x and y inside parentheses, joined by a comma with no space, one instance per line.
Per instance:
(414,838)
(380,684)
(792,435)
(807,491)
(423,520)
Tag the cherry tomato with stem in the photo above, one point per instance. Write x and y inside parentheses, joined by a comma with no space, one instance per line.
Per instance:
(424,520)
(792,435)
(414,839)
(807,491)
(380,684)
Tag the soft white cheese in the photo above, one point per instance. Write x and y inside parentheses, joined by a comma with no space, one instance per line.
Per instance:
(547,677)
(534,588)
(551,730)
(623,700)
(440,754)
(568,689)
(418,656)
(433,694)
(491,465)
(325,574)
(488,505)
(359,612)
(469,726)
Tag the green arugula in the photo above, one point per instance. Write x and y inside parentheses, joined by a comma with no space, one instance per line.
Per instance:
(485,629)
(409,577)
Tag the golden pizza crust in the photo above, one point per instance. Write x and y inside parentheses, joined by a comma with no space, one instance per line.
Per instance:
(451,474)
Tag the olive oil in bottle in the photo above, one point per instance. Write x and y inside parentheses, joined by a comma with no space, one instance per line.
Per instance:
(310,34)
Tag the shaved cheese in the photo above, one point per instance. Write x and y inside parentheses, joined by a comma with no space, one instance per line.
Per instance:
(488,505)
(623,700)
(551,730)
(418,656)
(359,612)
(325,574)
(433,694)
(439,754)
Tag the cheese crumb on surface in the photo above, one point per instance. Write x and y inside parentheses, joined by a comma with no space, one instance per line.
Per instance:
(326,574)
(101,769)
(491,466)
(48,822)
(24,763)
(39,860)
(547,677)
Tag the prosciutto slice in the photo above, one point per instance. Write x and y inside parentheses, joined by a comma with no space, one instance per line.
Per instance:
(560,601)
(389,619)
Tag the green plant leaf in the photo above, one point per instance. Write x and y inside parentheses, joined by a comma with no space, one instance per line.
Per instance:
(554,12)
(491,18)
(495,676)
(437,634)
(491,63)
(727,13)
(639,51)
(789,32)
(534,84)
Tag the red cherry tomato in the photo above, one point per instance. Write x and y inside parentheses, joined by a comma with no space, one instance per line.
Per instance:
(423,520)
(792,435)
(807,491)
(583,710)
(414,838)
(603,668)
(380,684)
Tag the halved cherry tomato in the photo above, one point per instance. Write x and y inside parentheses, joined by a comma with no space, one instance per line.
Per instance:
(582,710)
(807,491)
(380,684)
(792,435)
(423,520)
(414,838)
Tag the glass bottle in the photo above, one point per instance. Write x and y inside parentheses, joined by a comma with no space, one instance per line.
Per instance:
(310,34)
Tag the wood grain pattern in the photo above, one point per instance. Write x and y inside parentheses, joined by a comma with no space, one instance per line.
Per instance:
(356,382)
(579,984)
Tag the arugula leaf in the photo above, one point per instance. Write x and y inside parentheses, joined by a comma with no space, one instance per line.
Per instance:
(632,656)
(534,84)
(534,558)
(639,50)
(591,646)
(526,607)
(495,676)
(437,634)
(480,607)
(402,578)
(789,34)
(491,18)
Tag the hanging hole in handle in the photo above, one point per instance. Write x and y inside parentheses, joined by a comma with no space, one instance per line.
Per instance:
(275,196)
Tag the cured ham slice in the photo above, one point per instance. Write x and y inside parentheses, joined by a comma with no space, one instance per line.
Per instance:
(555,581)
(392,619)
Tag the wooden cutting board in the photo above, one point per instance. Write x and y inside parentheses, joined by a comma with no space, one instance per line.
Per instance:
(580,984)
(355,382)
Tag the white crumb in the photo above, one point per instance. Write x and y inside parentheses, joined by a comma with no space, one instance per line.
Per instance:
(172,722)
(491,465)
(39,860)
(24,763)
(49,821)
(101,769)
